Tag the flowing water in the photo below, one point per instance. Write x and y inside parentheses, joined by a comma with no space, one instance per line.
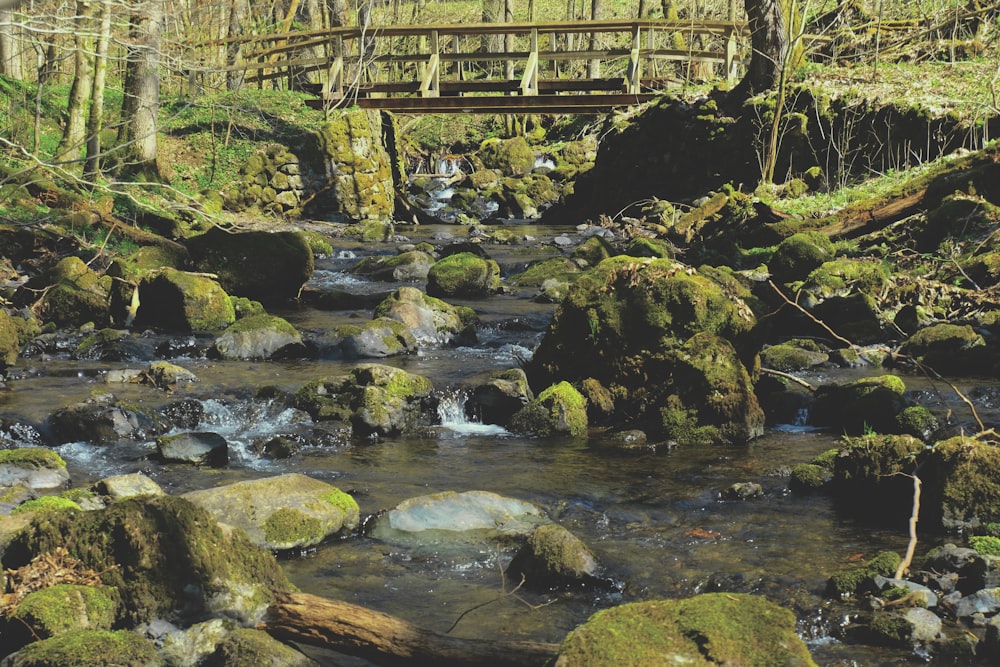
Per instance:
(653,516)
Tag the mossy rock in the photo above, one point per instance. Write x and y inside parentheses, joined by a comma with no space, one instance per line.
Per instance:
(283,512)
(809,477)
(46,504)
(593,251)
(270,267)
(709,629)
(378,338)
(74,294)
(644,247)
(791,356)
(855,407)
(411,265)
(166,557)
(253,648)
(89,648)
(860,578)
(537,273)
(463,274)
(146,259)
(918,421)
(952,348)
(173,300)
(962,485)
(554,556)
(841,277)
(36,467)
(558,410)
(495,400)
(259,337)
(430,319)
(511,157)
(63,608)
(872,476)
(10,345)
(799,255)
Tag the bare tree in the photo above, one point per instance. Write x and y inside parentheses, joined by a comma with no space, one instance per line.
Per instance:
(769,39)
(74,132)
(92,164)
(137,136)
(10,44)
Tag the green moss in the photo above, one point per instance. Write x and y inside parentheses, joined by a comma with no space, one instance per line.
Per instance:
(917,421)
(244,307)
(987,545)
(970,481)
(848,582)
(892,627)
(710,629)
(799,254)
(10,344)
(263,321)
(463,274)
(31,457)
(827,458)
(90,648)
(842,276)
(808,476)
(46,504)
(290,526)
(342,501)
(644,247)
(146,259)
(246,647)
(558,268)
(594,250)
(65,607)
(558,409)
(791,357)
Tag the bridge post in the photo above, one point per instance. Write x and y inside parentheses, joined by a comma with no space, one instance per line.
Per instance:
(529,82)
(431,84)
(333,86)
(731,43)
(634,63)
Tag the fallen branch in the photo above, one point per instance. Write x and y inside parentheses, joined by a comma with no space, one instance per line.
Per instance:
(904,565)
(787,376)
(387,640)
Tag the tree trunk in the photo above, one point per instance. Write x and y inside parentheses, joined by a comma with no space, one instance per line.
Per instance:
(387,640)
(492,13)
(769,39)
(141,101)
(10,46)
(92,164)
(74,134)
(238,11)
(596,14)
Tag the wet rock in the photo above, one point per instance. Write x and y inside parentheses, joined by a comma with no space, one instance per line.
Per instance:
(73,294)
(536,274)
(410,266)
(249,648)
(985,602)
(13,494)
(628,320)
(259,337)
(630,439)
(463,275)
(35,467)
(189,647)
(871,476)
(557,410)
(285,512)
(497,399)
(952,348)
(288,444)
(861,577)
(486,514)
(869,404)
(918,596)
(87,647)
(376,339)
(431,320)
(165,374)
(967,472)
(167,558)
(186,413)
(270,267)
(809,477)
(553,556)
(989,648)
(740,629)
(907,627)
(127,486)
(742,491)
(198,448)
(173,300)
(102,420)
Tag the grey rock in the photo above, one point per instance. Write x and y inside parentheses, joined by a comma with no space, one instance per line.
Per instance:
(204,448)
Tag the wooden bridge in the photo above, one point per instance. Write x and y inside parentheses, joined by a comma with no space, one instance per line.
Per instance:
(558,67)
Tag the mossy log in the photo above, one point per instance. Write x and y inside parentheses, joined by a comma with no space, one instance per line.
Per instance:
(852,222)
(387,640)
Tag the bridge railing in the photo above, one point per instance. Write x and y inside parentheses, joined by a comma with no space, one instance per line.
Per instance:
(538,58)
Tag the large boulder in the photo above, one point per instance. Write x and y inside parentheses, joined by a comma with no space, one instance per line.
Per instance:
(72,294)
(203,448)
(34,467)
(963,483)
(270,267)
(629,320)
(511,157)
(456,516)
(375,339)
(554,556)
(463,274)
(63,608)
(88,648)
(174,300)
(259,337)
(374,398)
(861,405)
(871,475)
(166,557)
(495,400)
(709,629)
(285,512)
(431,320)
(103,420)
(798,255)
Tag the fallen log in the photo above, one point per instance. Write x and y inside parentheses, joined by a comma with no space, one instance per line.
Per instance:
(387,640)
(852,222)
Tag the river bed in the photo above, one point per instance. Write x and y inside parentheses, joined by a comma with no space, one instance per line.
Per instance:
(653,516)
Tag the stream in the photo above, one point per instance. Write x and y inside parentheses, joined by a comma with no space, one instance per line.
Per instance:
(653,516)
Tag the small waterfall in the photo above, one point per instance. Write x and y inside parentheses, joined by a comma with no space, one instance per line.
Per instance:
(544,161)
(448,165)
(451,412)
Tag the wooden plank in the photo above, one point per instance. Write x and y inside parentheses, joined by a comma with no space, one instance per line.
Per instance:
(581,104)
